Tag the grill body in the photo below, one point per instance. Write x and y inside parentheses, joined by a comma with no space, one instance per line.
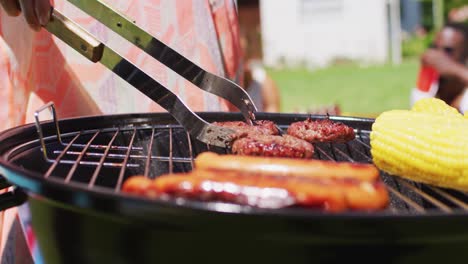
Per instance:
(67,235)
(80,216)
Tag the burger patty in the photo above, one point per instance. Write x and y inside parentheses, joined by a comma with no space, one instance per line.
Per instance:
(321,131)
(264,127)
(272,146)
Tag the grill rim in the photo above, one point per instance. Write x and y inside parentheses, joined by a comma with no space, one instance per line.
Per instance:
(78,195)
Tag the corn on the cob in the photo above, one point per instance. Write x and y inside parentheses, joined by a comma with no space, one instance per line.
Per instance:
(435,106)
(426,146)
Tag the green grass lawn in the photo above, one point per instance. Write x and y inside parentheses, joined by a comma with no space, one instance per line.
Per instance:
(356,89)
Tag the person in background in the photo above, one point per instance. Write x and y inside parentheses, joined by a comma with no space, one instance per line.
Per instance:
(459,14)
(444,72)
(261,87)
(258,84)
(36,67)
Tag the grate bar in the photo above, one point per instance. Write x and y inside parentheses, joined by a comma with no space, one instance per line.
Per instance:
(449,197)
(366,153)
(148,157)
(79,158)
(96,163)
(189,140)
(346,156)
(101,161)
(332,149)
(407,200)
(105,147)
(59,158)
(368,158)
(324,153)
(361,141)
(124,163)
(171,162)
(348,148)
(426,196)
(133,156)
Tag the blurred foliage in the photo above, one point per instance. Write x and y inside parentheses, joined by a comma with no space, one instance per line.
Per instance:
(414,46)
(428,15)
(451,4)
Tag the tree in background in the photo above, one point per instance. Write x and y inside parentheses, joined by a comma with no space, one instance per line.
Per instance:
(436,12)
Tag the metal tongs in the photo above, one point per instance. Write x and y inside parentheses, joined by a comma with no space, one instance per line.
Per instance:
(96,51)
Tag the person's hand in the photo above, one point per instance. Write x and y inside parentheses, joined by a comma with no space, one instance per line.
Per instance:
(440,61)
(36,12)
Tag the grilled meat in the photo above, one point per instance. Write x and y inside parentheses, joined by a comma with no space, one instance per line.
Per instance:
(321,131)
(139,185)
(212,186)
(265,191)
(272,146)
(264,127)
(287,167)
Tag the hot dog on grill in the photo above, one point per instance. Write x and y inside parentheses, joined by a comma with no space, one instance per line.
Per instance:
(267,191)
(139,185)
(287,167)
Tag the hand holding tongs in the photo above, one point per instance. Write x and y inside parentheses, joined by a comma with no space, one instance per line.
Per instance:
(96,51)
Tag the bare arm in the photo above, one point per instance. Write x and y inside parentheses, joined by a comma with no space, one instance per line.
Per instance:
(461,72)
(445,65)
(271,95)
(458,100)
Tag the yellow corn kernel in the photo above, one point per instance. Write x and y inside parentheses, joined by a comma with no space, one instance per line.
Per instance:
(422,146)
(435,106)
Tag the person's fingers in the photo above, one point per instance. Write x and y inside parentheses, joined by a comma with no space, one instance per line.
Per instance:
(43,9)
(27,7)
(12,7)
(431,56)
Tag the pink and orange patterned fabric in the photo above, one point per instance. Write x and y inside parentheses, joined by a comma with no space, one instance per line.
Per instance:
(36,68)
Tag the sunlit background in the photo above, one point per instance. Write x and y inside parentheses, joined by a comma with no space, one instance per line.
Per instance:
(361,56)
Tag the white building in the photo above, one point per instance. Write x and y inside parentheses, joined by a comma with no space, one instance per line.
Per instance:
(316,32)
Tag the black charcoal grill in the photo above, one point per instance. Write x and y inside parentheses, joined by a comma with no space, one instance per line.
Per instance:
(73,177)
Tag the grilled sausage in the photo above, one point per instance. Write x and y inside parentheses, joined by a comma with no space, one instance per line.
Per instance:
(139,185)
(267,191)
(216,187)
(287,167)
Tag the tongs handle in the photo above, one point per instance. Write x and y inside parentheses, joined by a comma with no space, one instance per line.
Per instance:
(201,78)
(75,37)
(93,49)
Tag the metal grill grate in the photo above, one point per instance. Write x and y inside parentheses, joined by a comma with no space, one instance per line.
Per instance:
(105,158)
